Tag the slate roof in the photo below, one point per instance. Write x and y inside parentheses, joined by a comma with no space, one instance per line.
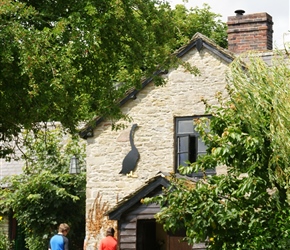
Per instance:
(198,41)
(160,179)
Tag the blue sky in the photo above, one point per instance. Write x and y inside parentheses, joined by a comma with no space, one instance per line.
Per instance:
(278,9)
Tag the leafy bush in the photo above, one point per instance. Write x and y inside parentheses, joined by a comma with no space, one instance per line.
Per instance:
(5,244)
(4,241)
(44,195)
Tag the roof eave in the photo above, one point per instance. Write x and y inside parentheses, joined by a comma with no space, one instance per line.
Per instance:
(129,201)
(199,41)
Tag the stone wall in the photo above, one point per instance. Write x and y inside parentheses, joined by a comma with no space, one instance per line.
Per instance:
(153,110)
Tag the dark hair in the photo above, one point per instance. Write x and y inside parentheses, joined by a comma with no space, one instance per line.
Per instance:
(110,231)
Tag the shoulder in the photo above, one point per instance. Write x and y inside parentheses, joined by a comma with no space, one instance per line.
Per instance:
(55,236)
(112,239)
(65,239)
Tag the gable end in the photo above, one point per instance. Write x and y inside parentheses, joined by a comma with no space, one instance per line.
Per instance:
(116,213)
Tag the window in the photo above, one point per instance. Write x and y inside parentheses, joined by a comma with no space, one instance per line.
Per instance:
(189,145)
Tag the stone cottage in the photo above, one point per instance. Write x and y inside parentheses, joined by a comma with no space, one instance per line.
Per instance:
(163,138)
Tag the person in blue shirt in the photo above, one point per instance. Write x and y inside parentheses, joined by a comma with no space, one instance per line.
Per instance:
(60,241)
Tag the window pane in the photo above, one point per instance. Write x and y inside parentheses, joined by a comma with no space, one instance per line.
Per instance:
(201,146)
(182,158)
(185,126)
(182,144)
(192,148)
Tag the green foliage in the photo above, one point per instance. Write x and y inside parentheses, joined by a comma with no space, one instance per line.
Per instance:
(249,134)
(36,242)
(46,195)
(202,20)
(70,61)
(4,241)
(5,244)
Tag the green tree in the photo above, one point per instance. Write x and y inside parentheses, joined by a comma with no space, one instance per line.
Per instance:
(70,61)
(46,194)
(202,20)
(249,133)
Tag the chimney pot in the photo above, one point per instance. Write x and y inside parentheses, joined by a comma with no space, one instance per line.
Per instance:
(239,12)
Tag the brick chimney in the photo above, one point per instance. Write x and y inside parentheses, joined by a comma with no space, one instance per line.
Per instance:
(250,32)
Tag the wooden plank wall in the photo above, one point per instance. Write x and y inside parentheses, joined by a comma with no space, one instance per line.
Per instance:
(127,226)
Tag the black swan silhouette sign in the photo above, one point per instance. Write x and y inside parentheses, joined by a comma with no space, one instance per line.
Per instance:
(131,159)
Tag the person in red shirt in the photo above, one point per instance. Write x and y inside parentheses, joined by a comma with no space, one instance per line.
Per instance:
(109,242)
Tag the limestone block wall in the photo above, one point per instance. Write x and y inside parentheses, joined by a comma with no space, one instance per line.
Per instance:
(154,111)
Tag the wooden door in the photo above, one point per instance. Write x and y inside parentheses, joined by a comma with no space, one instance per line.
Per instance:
(146,235)
(175,242)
